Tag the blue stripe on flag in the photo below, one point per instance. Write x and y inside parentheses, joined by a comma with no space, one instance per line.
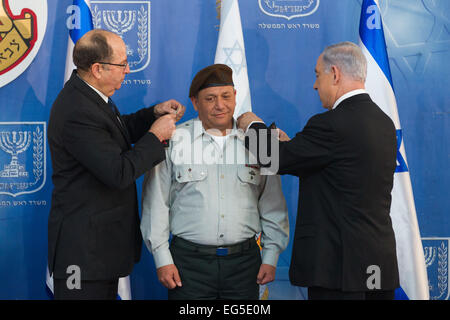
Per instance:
(85,21)
(372,35)
(49,292)
(401,167)
(400,294)
(404,221)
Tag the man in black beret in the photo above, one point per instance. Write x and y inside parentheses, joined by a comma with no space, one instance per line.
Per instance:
(214,203)
(216,75)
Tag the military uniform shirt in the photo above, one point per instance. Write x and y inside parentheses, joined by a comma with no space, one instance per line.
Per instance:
(211,196)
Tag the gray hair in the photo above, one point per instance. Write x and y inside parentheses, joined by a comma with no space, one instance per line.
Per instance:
(348,58)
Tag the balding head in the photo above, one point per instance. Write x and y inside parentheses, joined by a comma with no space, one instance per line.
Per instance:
(101,60)
(93,47)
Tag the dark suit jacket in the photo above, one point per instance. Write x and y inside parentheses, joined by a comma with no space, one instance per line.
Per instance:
(94,220)
(345,159)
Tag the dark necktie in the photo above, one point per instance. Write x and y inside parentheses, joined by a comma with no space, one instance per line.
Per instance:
(114,109)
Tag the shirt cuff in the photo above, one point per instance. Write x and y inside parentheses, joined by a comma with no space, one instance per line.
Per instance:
(270,257)
(162,258)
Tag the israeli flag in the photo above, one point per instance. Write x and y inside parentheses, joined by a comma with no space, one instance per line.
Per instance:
(410,256)
(79,21)
(231,51)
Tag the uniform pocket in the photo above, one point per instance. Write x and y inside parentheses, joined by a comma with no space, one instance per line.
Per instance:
(190,173)
(249,175)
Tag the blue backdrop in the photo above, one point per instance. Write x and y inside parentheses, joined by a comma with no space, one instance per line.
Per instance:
(168,42)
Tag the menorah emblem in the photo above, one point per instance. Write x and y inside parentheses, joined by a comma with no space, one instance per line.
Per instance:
(436,254)
(430,255)
(22,157)
(14,142)
(119,21)
(131,21)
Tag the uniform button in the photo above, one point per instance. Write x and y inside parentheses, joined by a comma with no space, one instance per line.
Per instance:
(222,216)
(222,176)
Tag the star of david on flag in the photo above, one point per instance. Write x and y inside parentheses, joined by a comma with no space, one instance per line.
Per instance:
(231,51)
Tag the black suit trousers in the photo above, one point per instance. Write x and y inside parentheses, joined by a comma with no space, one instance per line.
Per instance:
(89,290)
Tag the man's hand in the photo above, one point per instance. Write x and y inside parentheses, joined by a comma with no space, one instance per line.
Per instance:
(282,136)
(164,127)
(266,274)
(245,119)
(168,276)
(170,106)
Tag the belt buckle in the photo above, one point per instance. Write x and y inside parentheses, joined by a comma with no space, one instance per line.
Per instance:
(221,252)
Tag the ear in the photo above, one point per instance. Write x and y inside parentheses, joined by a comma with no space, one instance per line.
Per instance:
(194,102)
(336,74)
(95,70)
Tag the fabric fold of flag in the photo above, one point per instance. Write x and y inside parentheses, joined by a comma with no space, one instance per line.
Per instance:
(410,256)
(231,51)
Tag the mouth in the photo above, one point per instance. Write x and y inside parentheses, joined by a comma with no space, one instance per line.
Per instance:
(220,115)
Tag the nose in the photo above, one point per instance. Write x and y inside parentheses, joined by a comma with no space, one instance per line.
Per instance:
(127,69)
(220,103)
(315,85)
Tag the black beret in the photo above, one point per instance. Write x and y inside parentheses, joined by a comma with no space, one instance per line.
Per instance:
(215,75)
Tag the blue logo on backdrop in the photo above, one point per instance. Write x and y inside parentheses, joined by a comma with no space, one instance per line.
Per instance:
(289,9)
(437,262)
(131,21)
(22,157)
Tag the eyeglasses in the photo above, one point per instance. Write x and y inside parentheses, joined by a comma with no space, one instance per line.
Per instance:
(123,66)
